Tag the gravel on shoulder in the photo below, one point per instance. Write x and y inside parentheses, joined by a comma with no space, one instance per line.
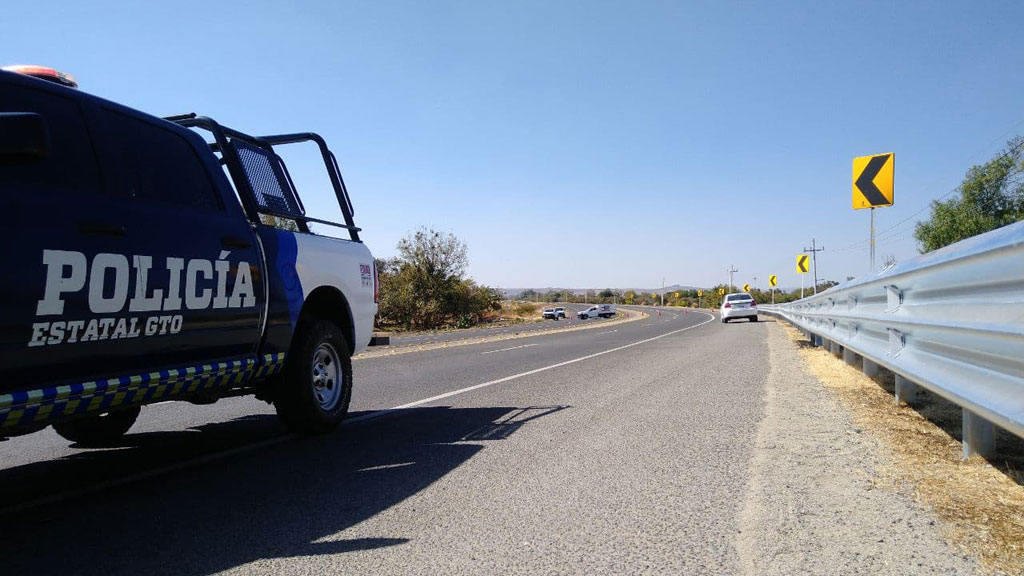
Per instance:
(815,503)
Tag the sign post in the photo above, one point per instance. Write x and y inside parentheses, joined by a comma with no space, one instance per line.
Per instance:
(873,187)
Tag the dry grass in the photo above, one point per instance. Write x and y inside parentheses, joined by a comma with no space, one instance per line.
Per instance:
(521,310)
(981,503)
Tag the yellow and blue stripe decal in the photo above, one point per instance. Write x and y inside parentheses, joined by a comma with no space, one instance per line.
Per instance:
(46,404)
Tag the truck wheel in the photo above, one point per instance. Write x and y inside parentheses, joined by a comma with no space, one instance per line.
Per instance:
(753,318)
(100,429)
(317,380)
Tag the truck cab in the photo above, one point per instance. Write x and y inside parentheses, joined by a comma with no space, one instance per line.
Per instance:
(147,263)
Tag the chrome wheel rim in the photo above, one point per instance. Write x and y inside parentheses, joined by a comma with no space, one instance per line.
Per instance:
(327,377)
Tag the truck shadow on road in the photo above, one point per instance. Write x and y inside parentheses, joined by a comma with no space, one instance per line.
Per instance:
(295,498)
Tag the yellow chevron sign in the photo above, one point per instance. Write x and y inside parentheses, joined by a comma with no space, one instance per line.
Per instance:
(872,181)
(773,280)
(801,263)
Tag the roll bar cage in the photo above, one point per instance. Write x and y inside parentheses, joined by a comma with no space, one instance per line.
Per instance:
(224,139)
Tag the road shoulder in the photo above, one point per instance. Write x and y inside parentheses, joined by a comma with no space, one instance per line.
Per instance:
(816,503)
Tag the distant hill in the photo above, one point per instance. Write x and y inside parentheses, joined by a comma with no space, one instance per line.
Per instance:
(514,292)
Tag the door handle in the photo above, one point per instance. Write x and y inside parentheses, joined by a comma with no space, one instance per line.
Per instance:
(235,242)
(101,229)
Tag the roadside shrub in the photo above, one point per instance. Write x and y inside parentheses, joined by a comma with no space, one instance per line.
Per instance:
(424,286)
(524,309)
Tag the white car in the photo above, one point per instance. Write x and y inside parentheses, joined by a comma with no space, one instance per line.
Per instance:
(554,313)
(739,305)
(599,311)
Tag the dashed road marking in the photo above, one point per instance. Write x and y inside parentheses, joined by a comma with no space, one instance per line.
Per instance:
(386,411)
(507,349)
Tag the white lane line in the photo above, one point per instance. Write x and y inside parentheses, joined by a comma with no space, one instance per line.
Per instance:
(646,325)
(380,413)
(507,349)
(608,332)
(668,320)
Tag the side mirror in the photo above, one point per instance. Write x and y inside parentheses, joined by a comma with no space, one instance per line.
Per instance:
(24,138)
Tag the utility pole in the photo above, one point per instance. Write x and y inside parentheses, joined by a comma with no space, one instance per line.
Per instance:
(814,255)
(755,284)
(662,290)
(732,269)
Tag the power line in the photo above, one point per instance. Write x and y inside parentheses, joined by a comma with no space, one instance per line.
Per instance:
(885,242)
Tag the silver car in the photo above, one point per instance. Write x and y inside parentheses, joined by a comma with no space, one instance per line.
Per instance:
(739,305)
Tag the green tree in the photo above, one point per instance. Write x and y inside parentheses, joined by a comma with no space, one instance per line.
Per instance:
(280,222)
(528,294)
(424,287)
(991,196)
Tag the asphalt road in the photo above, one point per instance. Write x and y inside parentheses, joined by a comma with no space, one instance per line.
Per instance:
(618,451)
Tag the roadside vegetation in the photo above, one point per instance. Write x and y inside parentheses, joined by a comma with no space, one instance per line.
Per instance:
(709,297)
(425,287)
(991,196)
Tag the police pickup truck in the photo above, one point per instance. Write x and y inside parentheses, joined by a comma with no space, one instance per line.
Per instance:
(144,263)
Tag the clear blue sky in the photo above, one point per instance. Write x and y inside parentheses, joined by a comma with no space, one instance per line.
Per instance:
(581,144)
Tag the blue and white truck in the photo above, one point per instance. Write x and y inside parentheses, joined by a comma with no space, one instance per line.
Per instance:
(149,259)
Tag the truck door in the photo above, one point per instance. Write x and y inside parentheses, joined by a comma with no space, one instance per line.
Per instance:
(197,287)
(56,211)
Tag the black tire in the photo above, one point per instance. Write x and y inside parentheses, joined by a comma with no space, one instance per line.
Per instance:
(753,318)
(725,320)
(99,429)
(315,400)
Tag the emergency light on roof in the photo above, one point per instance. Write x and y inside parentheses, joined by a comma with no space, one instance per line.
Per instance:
(44,73)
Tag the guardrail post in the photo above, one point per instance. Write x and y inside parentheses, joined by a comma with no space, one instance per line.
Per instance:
(849,356)
(905,390)
(979,435)
(836,349)
(870,369)
(815,340)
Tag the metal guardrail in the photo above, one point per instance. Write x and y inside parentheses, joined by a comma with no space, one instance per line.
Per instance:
(950,321)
